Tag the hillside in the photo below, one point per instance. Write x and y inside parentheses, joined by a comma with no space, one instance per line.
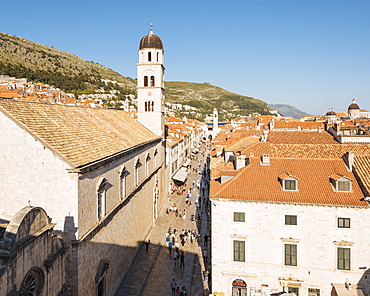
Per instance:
(20,58)
(287,110)
(205,96)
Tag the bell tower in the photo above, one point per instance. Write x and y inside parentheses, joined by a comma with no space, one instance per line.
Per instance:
(150,83)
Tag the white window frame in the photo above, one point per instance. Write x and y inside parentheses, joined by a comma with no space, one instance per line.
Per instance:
(147,162)
(137,172)
(290,179)
(101,196)
(343,180)
(122,184)
(155,158)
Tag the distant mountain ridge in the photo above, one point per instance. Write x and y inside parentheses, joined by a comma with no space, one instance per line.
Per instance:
(288,110)
(23,58)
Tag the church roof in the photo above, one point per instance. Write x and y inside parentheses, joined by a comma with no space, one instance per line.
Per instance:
(151,41)
(79,135)
(353,105)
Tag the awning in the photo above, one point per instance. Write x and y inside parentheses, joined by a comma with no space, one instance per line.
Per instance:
(345,290)
(180,175)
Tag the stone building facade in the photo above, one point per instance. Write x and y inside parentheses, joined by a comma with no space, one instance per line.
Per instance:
(288,225)
(33,255)
(99,174)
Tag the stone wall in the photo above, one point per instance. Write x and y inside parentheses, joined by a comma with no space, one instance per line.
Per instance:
(119,235)
(33,174)
(33,252)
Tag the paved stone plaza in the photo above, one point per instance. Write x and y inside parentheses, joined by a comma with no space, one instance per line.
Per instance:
(153,270)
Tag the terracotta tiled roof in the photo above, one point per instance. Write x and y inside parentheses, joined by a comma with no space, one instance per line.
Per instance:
(241,143)
(265,118)
(341,114)
(257,182)
(362,169)
(221,166)
(347,124)
(8,96)
(306,150)
(173,119)
(298,124)
(243,133)
(79,135)
(300,137)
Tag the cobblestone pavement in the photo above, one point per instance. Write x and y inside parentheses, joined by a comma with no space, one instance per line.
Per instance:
(153,270)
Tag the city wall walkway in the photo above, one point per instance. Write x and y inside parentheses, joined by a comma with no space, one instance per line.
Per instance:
(153,269)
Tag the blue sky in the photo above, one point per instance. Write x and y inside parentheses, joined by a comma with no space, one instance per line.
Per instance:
(314,55)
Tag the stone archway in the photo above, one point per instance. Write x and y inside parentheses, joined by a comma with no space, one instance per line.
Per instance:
(239,288)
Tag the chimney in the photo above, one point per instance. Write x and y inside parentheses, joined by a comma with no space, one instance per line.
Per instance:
(240,161)
(350,160)
(265,159)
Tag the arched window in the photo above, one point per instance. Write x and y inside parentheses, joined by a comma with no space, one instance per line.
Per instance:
(152,109)
(151,80)
(149,56)
(147,159)
(101,197)
(137,172)
(145,80)
(146,106)
(157,56)
(239,288)
(33,282)
(155,159)
(122,183)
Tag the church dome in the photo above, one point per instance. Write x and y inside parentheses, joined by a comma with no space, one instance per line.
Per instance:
(151,41)
(330,113)
(353,105)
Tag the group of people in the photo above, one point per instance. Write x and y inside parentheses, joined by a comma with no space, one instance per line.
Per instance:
(178,213)
(174,238)
(177,239)
(176,290)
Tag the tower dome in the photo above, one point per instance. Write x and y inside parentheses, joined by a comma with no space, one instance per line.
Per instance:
(151,41)
(353,105)
(331,112)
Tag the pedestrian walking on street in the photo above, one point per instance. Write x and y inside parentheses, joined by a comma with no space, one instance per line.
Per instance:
(173,286)
(170,244)
(205,256)
(183,291)
(178,292)
(205,240)
(182,260)
(175,257)
(147,242)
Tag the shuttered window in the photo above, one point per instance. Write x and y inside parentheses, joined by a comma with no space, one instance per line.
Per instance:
(239,251)
(290,255)
(344,258)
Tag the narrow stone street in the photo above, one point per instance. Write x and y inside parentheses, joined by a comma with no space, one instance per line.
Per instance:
(154,269)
